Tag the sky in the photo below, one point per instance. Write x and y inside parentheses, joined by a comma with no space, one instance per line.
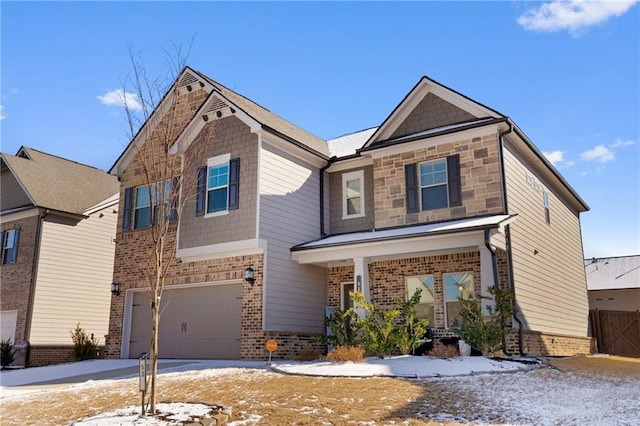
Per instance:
(567,73)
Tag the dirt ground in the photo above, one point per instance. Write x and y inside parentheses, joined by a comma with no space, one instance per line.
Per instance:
(286,400)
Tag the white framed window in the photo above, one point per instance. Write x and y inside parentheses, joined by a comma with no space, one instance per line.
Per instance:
(434,193)
(147,203)
(425,309)
(346,302)
(458,284)
(353,194)
(217,185)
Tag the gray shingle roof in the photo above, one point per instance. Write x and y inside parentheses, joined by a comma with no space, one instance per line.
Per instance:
(60,184)
(269,119)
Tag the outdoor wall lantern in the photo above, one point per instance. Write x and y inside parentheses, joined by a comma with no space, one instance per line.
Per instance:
(248,275)
(115,288)
(359,283)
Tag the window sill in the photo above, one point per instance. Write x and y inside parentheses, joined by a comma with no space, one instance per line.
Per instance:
(216,214)
(353,216)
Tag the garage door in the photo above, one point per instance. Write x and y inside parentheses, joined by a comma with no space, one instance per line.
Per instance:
(195,322)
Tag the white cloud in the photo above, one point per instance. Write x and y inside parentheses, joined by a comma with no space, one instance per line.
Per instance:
(572,15)
(119,97)
(2,114)
(619,143)
(600,154)
(557,158)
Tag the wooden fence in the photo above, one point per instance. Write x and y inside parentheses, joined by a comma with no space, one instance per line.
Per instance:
(617,332)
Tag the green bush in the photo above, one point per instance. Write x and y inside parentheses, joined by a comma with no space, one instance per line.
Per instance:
(410,330)
(486,334)
(7,353)
(84,346)
(344,326)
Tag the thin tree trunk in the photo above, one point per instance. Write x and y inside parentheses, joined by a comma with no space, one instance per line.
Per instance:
(154,352)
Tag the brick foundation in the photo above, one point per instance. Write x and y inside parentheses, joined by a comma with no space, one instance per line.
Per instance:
(289,345)
(54,354)
(547,344)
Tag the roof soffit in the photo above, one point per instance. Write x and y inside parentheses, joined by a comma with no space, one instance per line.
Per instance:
(413,99)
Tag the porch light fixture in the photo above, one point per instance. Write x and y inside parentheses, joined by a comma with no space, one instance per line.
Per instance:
(115,288)
(248,275)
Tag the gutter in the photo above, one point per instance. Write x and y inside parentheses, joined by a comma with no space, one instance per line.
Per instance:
(322,170)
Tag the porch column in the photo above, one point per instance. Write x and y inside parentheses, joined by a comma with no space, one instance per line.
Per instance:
(361,276)
(486,276)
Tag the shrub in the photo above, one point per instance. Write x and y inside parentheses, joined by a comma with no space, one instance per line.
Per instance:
(346,353)
(7,353)
(308,354)
(344,326)
(486,334)
(443,351)
(84,346)
(379,327)
(410,331)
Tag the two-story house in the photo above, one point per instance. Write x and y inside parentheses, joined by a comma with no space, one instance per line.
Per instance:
(446,195)
(58,220)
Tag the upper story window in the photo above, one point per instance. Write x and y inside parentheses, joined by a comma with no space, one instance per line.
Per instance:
(353,194)
(425,309)
(145,201)
(9,245)
(547,211)
(218,186)
(433,184)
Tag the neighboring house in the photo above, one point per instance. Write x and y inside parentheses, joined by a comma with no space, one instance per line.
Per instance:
(58,221)
(613,283)
(446,195)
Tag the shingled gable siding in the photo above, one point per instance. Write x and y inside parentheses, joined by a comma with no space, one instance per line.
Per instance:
(548,264)
(338,225)
(289,215)
(430,113)
(480,182)
(230,136)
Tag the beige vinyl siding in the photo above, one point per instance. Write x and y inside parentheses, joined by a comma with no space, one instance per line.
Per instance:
(295,295)
(547,258)
(74,276)
(12,195)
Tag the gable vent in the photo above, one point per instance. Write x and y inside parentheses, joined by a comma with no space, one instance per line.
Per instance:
(188,79)
(217,105)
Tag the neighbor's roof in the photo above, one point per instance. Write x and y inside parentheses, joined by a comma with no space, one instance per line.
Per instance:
(613,273)
(448,227)
(59,184)
(346,145)
(269,120)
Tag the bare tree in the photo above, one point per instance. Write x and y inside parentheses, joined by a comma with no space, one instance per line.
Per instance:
(168,174)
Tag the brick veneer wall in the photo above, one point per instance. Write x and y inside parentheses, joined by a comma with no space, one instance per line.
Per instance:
(480,180)
(548,344)
(55,354)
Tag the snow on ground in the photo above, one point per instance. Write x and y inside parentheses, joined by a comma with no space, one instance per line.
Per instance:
(542,397)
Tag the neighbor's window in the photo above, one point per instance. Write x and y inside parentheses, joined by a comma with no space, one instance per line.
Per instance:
(146,201)
(142,209)
(9,241)
(456,285)
(353,194)
(433,185)
(424,308)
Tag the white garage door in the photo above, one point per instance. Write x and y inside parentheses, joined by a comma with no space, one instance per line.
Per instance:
(195,322)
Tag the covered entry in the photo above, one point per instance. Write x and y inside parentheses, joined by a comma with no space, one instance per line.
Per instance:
(195,322)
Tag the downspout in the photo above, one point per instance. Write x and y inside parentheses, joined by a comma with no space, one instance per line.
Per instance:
(496,279)
(32,286)
(508,236)
(322,170)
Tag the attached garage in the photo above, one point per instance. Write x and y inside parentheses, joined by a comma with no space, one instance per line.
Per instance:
(200,322)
